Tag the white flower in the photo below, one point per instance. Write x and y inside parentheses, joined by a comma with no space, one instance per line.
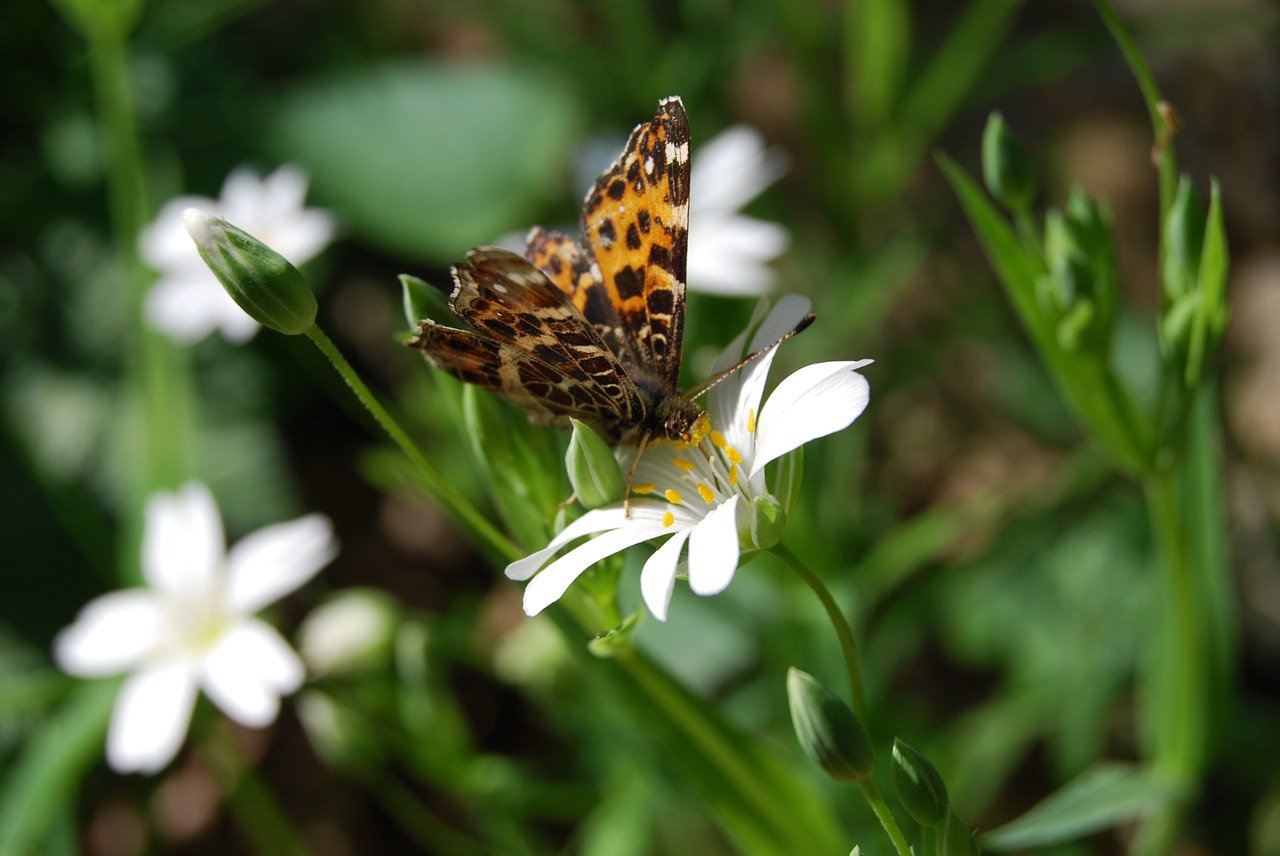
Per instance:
(729,252)
(708,491)
(193,628)
(187,302)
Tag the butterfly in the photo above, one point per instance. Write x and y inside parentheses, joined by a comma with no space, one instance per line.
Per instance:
(590,329)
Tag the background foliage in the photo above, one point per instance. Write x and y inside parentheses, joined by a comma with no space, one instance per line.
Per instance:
(997,572)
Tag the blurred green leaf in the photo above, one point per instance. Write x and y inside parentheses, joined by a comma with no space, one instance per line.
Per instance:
(1103,796)
(48,772)
(428,159)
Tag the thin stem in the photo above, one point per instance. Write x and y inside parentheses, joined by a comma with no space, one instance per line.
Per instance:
(847,646)
(431,481)
(886,818)
(1179,690)
(1156,107)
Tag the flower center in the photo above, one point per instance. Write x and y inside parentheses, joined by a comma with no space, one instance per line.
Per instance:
(698,478)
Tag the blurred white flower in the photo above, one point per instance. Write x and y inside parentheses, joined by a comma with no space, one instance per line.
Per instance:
(187,302)
(729,253)
(709,492)
(193,628)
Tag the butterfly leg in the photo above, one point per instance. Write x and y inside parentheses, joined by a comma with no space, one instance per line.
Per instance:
(631,474)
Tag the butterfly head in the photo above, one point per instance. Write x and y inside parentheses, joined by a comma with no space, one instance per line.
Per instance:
(681,421)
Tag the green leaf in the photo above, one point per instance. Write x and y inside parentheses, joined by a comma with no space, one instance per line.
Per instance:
(1104,796)
(427,159)
(45,778)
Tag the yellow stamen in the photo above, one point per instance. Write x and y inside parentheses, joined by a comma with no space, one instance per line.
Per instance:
(642,488)
(734,456)
(717,439)
(733,476)
(706,493)
(668,519)
(673,497)
(684,464)
(751,420)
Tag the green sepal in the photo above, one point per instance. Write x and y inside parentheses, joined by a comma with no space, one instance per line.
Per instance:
(620,638)
(423,300)
(828,731)
(920,787)
(261,281)
(593,470)
(768,521)
(957,840)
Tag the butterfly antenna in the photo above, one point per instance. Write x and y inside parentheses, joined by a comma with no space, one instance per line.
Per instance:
(704,387)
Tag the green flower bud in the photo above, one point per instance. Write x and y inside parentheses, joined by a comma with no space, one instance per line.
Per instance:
(620,638)
(920,789)
(768,520)
(349,632)
(957,840)
(1183,236)
(422,300)
(269,289)
(1006,169)
(338,736)
(593,470)
(828,730)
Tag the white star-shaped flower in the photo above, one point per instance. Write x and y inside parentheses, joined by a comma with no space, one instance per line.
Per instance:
(708,491)
(187,302)
(729,252)
(192,628)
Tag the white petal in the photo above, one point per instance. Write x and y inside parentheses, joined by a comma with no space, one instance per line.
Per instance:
(713,550)
(547,587)
(275,561)
(150,718)
(658,579)
(737,399)
(111,634)
(188,305)
(182,544)
(817,400)
(730,169)
(248,670)
(589,523)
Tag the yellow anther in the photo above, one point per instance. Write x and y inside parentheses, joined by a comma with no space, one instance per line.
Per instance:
(684,464)
(668,519)
(673,497)
(733,476)
(734,456)
(751,420)
(717,439)
(642,488)
(708,496)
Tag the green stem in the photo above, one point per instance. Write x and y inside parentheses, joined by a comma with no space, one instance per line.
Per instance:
(1160,127)
(1178,682)
(454,503)
(850,650)
(252,803)
(886,818)
(847,646)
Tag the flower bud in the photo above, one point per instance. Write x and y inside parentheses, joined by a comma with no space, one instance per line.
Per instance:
(269,289)
(422,300)
(828,730)
(593,470)
(1183,233)
(957,840)
(337,735)
(1006,169)
(352,630)
(920,789)
(768,520)
(621,638)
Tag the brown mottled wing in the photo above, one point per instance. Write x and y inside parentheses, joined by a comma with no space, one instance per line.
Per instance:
(575,272)
(531,345)
(636,223)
